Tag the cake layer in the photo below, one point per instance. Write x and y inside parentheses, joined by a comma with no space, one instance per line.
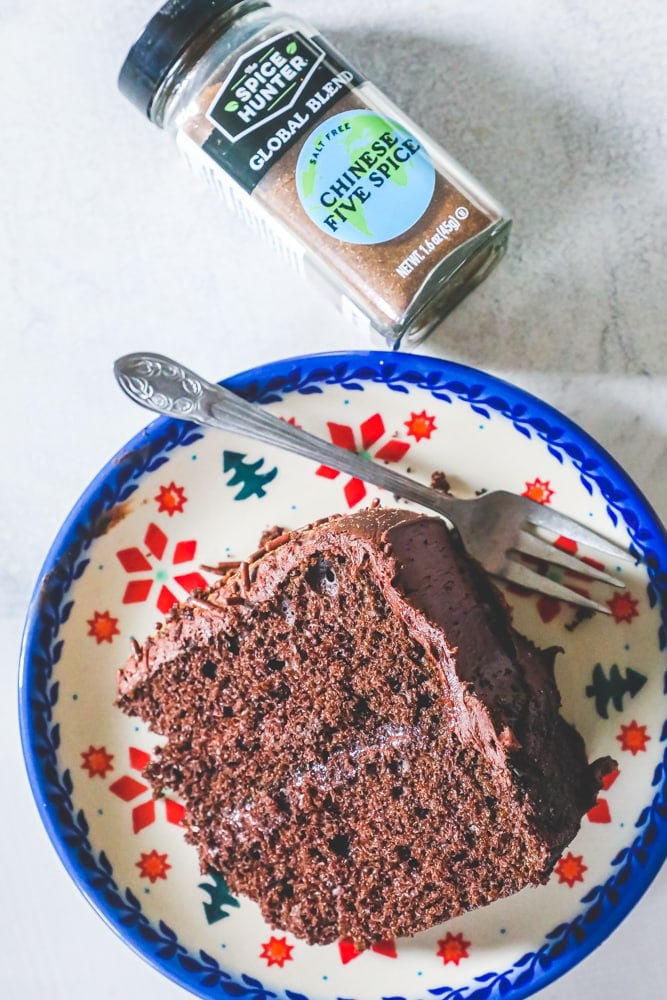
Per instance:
(363,743)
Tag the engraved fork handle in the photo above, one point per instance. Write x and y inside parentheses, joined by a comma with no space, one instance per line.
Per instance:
(167,387)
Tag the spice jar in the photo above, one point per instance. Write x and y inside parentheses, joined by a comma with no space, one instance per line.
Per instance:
(317,160)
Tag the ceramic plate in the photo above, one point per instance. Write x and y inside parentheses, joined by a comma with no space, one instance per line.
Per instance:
(177,498)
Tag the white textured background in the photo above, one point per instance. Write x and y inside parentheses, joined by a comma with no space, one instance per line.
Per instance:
(108,246)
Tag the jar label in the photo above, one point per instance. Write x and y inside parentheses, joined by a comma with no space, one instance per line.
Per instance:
(362,178)
(271,98)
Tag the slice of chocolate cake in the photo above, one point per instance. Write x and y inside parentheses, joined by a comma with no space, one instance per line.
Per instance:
(363,743)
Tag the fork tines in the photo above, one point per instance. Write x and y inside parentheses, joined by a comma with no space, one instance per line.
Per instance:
(540,516)
(536,547)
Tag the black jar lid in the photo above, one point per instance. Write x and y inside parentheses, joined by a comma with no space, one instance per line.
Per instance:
(164,39)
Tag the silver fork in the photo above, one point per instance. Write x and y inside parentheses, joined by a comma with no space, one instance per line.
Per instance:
(495,528)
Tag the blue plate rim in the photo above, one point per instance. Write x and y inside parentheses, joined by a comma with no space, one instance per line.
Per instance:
(261,383)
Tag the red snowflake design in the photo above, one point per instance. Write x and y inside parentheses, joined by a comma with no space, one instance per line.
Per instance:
(609,779)
(102,627)
(600,812)
(348,951)
(420,425)
(570,869)
(171,499)
(129,788)
(623,607)
(539,490)
(153,866)
(276,951)
(547,607)
(633,738)
(370,433)
(133,560)
(453,948)
(96,761)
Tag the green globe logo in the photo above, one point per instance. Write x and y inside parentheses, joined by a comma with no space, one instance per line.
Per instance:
(362,178)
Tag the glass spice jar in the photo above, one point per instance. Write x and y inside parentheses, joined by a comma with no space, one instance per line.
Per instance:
(318,161)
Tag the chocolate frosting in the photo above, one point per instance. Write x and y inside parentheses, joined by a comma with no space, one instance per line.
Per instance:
(361,672)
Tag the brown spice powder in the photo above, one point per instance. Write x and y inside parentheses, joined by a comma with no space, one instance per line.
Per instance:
(370,270)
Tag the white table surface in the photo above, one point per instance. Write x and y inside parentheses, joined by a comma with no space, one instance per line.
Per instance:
(108,245)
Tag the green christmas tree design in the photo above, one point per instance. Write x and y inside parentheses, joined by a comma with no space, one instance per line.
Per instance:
(613,688)
(246,475)
(219,897)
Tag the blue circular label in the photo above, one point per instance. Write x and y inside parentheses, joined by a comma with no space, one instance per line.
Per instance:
(362,178)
